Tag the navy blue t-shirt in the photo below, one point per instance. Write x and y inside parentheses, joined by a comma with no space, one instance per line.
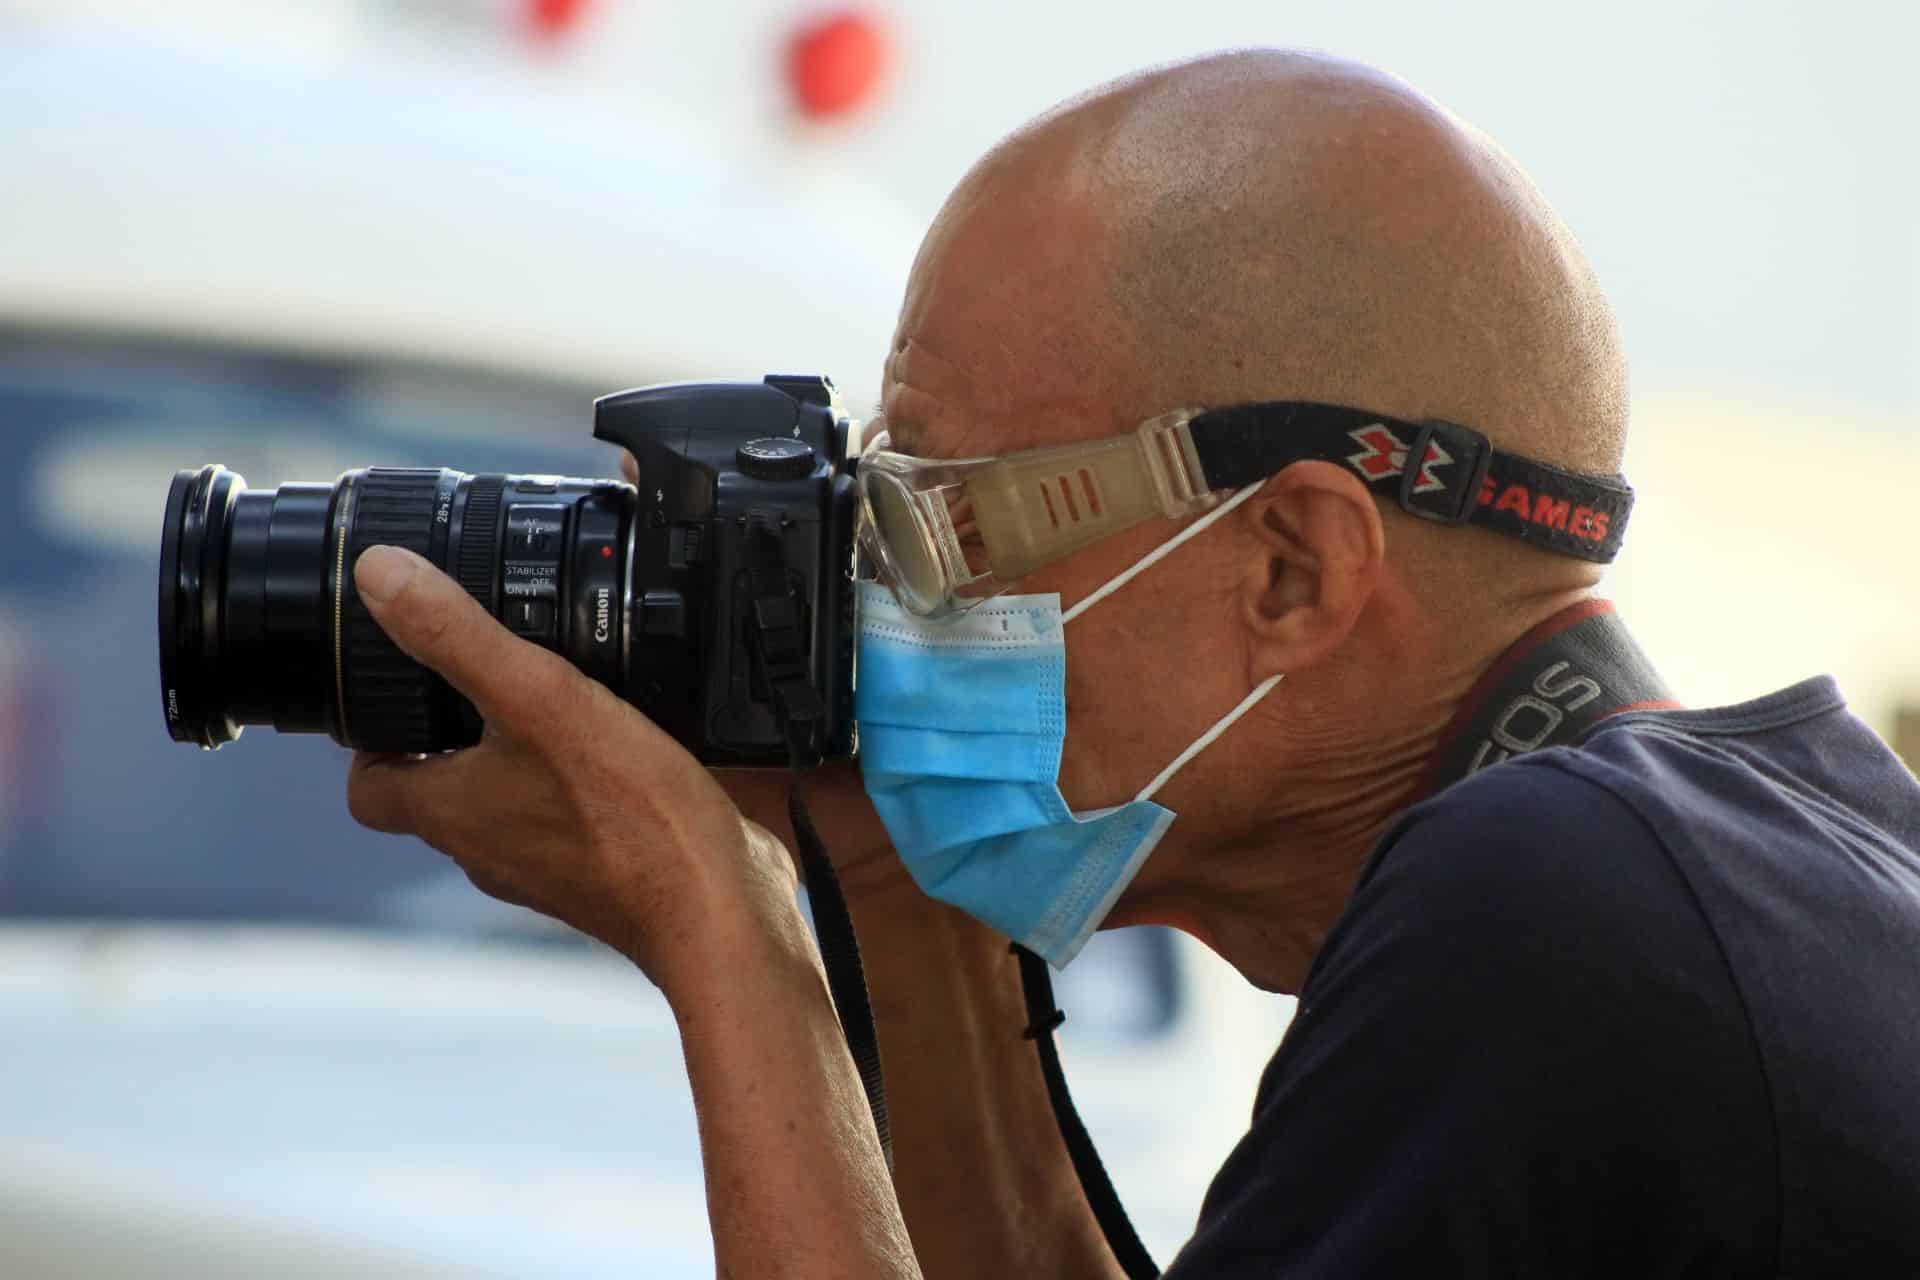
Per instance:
(1648,1006)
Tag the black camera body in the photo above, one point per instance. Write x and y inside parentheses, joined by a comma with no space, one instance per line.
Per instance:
(741,565)
(718,598)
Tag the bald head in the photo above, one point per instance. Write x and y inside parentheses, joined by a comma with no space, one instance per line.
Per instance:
(1282,220)
(1273,225)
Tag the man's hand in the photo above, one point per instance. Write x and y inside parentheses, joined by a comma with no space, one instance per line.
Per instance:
(573,803)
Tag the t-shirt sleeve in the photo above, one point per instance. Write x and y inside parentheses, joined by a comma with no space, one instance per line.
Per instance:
(1519,1053)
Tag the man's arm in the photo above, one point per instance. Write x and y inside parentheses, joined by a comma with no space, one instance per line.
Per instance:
(982,1174)
(795,1180)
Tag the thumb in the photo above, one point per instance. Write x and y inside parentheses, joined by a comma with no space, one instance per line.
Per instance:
(436,623)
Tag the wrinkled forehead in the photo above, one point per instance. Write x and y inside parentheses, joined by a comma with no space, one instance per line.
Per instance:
(927,405)
(1001,338)
(928,417)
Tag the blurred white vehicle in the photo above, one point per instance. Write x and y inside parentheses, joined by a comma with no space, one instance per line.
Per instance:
(240,1036)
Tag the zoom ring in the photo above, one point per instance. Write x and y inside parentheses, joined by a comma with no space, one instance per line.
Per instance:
(390,699)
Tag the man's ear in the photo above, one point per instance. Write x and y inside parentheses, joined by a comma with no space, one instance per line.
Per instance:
(1322,550)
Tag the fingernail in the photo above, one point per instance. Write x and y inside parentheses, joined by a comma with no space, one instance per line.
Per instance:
(380,572)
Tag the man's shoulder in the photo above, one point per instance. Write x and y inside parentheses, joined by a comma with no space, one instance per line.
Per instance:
(1534,828)
(1516,802)
(1521,882)
(1789,790)
(1633,794)
(1520,1047)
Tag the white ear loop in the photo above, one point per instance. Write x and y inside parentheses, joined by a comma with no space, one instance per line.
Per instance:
(1160,552)
(1207,739)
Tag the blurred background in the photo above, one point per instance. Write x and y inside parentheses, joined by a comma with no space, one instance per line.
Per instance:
(240,1036)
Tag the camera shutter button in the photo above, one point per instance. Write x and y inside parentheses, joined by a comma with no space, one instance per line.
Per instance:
(775,458)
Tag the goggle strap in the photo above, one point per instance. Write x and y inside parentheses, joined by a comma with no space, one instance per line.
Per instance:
(1038,505)
(1460,478)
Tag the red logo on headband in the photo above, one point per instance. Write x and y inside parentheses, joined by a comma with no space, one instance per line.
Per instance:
(1385,456)
(1547,511)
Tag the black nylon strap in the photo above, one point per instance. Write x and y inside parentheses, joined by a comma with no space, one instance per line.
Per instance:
(1043,1015)
(777,647)
(840,953)
(1549,689)
(1460,478)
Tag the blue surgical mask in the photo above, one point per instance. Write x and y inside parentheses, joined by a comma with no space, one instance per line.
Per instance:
(961,727)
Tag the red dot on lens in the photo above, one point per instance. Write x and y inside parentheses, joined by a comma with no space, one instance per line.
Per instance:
(606,553)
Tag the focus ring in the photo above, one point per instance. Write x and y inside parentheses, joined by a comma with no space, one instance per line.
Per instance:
(390,698)
(480,539)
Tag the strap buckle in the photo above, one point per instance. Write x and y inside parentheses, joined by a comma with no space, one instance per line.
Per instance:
(1460,470)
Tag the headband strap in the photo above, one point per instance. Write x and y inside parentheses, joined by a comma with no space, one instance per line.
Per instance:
(1460,478)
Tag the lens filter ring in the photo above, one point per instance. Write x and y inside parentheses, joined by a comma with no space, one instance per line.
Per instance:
(193,555)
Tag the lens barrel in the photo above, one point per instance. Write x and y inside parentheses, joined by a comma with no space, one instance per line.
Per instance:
(260,622)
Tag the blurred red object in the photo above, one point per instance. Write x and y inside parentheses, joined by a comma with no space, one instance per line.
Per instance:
(551,18)
(834,61)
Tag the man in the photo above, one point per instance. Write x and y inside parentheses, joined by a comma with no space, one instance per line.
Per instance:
(1645,1005)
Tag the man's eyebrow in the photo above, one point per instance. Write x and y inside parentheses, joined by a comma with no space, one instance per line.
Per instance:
(902,437)
(909,413)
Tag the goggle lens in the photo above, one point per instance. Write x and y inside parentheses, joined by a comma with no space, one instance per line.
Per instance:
(903,547)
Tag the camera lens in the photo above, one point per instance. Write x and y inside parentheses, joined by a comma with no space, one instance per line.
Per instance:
(260,622)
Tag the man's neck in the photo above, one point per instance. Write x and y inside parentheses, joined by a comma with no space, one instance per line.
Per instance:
(1266,900)
(1265,904)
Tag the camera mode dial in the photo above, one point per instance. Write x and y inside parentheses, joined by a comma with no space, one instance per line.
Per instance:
(775,458)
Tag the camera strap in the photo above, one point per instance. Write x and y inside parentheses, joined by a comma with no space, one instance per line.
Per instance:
(840,954)
(1549,689)
(778,651)
(1044,1016)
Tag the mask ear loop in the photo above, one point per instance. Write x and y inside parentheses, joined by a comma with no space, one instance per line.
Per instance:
(1160,552)
(1208,738)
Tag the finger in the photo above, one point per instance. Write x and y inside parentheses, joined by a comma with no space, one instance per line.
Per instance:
(630,468)
(412,796)
(379,794)
(514,684)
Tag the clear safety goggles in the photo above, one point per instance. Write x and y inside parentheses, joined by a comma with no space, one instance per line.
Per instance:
(945,534)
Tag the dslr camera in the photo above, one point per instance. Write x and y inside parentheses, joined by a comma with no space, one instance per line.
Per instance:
(717,598)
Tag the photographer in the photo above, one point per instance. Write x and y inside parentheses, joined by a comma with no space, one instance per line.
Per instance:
(1642,1003)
